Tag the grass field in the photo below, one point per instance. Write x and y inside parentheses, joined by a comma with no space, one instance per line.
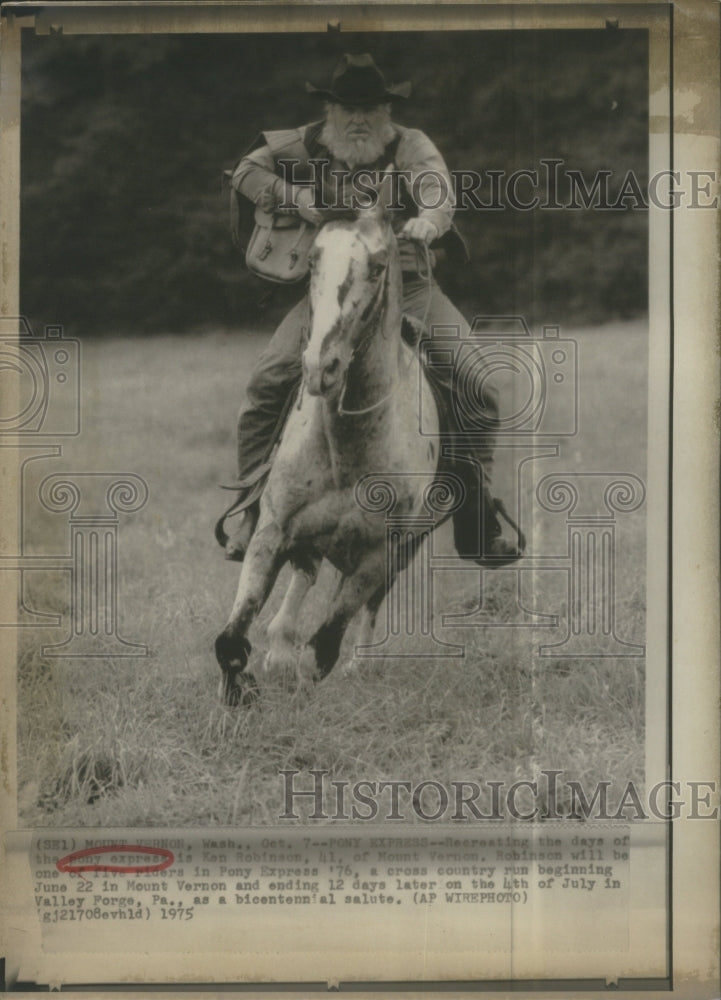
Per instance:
(144,741)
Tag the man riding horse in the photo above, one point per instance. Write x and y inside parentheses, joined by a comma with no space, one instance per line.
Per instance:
(356,138)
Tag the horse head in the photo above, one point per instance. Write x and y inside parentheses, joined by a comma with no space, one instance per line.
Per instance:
(354,275)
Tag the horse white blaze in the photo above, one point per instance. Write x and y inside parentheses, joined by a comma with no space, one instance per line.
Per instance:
(338,292)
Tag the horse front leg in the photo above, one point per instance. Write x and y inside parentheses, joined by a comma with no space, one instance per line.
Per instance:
(364,638)
(399,561)
(321,653)
(263,561)
(282,655)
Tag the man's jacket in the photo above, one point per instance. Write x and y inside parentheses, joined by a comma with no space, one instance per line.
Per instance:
(264,173)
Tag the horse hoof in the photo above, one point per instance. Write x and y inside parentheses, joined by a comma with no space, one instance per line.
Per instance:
(232,653)
(353,666)
(306,670)
(239,690)
(281,659)
(325,646)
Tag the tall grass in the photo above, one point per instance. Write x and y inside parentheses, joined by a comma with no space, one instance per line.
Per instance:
(144,741)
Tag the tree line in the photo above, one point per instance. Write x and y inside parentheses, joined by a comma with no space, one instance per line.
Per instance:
(124,139)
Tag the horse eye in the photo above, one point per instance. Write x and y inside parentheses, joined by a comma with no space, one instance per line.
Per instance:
(375,271)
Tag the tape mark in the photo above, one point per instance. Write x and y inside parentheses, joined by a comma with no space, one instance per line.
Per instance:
(67,864)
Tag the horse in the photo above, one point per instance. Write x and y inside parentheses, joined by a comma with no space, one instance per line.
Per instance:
(358,415)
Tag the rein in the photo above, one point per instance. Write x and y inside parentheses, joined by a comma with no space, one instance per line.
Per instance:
(429,282)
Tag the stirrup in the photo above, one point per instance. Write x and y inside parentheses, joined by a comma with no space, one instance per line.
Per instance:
(236,548)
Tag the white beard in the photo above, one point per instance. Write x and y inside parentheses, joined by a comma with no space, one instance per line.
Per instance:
(357,152)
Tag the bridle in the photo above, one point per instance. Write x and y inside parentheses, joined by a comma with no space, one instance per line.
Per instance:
(358,350)
(364,343)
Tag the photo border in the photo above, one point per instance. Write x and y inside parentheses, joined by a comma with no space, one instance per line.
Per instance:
(689,951)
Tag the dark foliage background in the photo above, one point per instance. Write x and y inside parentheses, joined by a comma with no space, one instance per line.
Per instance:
(125,228)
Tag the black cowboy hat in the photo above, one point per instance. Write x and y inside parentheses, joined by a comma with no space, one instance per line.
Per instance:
(358,82)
